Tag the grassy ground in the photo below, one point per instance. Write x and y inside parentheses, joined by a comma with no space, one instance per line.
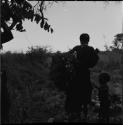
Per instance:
(33,96)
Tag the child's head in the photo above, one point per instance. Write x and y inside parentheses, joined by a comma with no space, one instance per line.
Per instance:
(104,78)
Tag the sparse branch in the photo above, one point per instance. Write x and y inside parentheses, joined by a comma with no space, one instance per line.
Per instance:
(36,4)
(41,8)
(13,25)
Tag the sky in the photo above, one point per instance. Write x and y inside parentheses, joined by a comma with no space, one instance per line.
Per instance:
(70,19)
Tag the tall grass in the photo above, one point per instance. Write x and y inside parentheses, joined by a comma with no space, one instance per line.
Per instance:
(33,95)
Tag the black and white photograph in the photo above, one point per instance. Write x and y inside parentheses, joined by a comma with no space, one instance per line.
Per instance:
(61,62)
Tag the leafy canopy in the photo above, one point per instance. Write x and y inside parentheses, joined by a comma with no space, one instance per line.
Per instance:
(14,12)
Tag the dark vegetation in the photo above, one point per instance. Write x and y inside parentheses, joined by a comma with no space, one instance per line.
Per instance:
(36,86)
(15,12)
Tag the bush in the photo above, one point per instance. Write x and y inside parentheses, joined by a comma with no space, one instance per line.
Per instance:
(27,74)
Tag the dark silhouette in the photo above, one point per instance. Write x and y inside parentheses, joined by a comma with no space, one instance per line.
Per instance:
(7,34)
(5,102)
(79,89)
(104,97)
(11,12)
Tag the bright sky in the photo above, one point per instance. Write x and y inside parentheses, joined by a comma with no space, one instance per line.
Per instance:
(69,20)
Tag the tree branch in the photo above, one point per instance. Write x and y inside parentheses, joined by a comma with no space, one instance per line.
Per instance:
(13,24)
(36,4)
(41,8)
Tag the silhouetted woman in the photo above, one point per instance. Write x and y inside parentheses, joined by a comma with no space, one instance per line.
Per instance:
(79,89)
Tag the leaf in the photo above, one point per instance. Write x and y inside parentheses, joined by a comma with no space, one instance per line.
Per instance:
(51,30)
(45,26)
(37,18)
(7,13)
(42,23)
(19,27)
(27,5)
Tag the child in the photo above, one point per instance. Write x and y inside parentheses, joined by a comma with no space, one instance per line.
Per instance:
(104,78)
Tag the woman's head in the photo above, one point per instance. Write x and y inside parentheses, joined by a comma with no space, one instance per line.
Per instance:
(84,38)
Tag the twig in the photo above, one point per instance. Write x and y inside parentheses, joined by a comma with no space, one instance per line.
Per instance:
(36,4)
